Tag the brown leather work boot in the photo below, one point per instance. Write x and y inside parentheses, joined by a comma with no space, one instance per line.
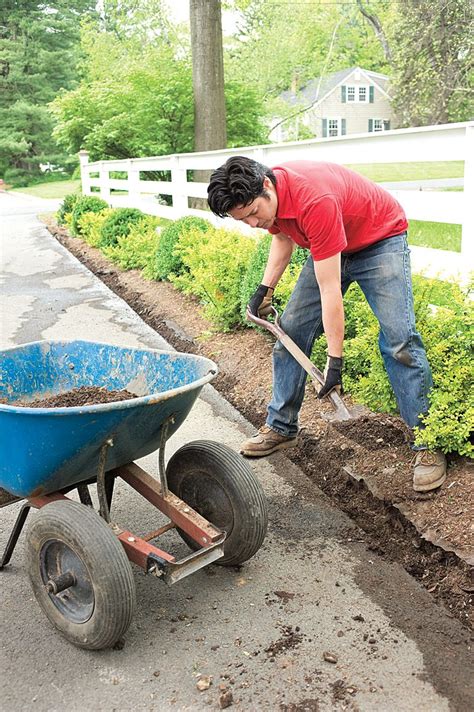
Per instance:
(265,442)
(429,471)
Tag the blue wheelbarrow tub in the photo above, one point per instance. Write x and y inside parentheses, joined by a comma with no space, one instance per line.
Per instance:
(44,450)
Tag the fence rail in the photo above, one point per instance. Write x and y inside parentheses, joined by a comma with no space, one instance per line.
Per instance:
(448,142)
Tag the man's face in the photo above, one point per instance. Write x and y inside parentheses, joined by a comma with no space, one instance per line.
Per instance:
(262,211)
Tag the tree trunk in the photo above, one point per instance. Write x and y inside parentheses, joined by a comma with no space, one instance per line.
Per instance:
(208,75)
(208,80)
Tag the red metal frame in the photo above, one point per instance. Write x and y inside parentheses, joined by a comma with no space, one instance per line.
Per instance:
(138,549)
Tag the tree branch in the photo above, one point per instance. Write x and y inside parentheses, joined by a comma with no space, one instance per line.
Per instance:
(323,72)
(379,31)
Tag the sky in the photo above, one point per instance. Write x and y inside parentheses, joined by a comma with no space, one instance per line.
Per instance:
(179,10)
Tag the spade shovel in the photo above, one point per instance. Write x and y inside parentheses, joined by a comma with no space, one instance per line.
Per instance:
(341,412)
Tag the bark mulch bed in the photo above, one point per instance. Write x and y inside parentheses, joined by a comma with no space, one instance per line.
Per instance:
(365,467)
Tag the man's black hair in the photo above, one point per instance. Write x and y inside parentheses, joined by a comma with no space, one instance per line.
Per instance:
(237,183)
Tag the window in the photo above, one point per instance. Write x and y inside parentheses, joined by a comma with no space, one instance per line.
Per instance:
(356,94)
(333,127)
(377,125)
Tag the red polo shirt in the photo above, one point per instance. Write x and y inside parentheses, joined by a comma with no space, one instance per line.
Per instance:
(329,209)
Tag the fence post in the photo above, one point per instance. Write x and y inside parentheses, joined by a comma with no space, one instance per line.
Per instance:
(85,178)
(179,186)
(467,236)
(133,182)
(104,181)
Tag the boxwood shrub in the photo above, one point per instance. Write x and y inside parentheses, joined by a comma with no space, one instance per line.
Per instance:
(118,224)
(66,207)
(85,204)
(167,260)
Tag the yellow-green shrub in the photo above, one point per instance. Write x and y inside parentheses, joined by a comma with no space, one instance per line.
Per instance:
(216,261)
(90,225)
(137,249)
(444,318)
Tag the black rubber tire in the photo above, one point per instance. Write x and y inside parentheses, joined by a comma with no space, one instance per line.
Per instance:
(74,530)
(220,485)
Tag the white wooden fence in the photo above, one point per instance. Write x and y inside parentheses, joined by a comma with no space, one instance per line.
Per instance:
(448,142)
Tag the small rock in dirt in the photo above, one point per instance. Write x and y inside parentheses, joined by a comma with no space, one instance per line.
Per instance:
(225,700)
(330,657)
(156,673)
(204,683)
(358,617)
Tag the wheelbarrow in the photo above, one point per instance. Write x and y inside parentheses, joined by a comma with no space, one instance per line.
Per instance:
(78,558)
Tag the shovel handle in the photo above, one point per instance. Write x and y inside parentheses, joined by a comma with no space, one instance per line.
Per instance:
(313,371)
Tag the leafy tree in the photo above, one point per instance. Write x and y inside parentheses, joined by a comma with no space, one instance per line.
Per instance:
(434,83)
(39,52)
(137,100)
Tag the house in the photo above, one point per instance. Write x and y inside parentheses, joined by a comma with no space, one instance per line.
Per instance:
(350,101)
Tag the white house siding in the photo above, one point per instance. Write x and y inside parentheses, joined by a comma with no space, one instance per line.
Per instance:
(357,114)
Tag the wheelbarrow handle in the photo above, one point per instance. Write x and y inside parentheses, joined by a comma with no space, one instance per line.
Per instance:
(313,371)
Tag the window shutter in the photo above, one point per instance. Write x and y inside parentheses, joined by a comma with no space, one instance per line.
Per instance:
(371,125)
(343,127)
(325,128)
(343,94)
(371,94)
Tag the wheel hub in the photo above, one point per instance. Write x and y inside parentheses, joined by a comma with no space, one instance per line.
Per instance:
(67,581)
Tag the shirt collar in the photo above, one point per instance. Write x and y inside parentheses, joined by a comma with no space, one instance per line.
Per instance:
(285,208)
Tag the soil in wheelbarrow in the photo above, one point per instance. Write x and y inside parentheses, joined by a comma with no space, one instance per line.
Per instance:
(365,467)
(85,395)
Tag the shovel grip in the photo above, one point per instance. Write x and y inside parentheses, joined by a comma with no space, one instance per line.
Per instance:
(313,371)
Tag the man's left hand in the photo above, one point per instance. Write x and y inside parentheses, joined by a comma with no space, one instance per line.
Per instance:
(332,376)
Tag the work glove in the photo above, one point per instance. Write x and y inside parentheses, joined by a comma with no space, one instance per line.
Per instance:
(260,303)
(332,376)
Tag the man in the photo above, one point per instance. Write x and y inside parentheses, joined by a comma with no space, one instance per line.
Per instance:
(355,232)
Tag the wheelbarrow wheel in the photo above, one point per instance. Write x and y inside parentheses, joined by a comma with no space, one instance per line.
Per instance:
(220,485)
(80,574)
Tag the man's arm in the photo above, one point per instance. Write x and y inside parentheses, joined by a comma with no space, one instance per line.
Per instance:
(328,276)
(281,249)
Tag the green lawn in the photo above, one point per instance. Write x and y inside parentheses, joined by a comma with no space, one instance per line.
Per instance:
(56,189)
(442,236)
(388,172)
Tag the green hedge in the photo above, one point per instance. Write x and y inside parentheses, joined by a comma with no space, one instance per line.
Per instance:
(85,204)
(167,261)
(118,224)
(223,268)
(66,207)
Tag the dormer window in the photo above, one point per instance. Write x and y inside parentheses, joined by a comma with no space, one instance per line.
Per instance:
(357,93)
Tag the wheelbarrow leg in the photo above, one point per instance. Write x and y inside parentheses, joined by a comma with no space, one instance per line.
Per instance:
(84,496)
(16,531)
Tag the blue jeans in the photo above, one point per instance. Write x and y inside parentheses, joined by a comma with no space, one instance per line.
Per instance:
(382,271)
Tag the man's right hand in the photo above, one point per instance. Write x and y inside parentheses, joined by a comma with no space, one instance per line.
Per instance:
(260,303)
